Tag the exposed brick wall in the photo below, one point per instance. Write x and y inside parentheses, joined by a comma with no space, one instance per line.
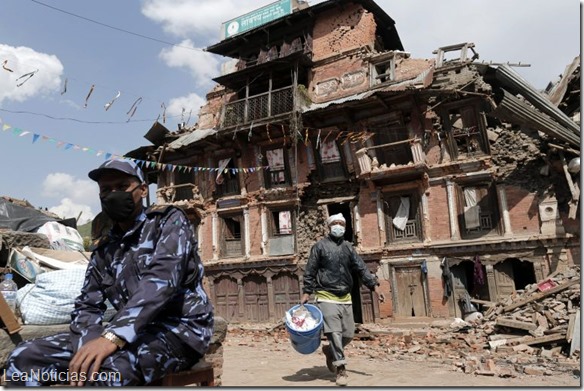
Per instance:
(436,290)
(303,169)
(344,77)
(339,30)
(438,212)
(575,255)
(207,239)
(523,211)
(571,226)
(438,308)
(251,179)
(385,309)
(369,223)
(255,227)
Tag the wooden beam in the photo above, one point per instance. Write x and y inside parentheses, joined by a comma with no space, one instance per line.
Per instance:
(8,318)
(541,295)
(575,345)
(516,324)
(545,339)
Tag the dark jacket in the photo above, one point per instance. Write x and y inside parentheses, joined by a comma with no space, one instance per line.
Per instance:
(153,276)
(330,267)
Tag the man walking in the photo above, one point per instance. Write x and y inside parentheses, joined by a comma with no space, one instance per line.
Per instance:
(328,276)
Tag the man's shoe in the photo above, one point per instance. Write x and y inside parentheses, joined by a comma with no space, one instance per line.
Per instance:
(326,350)
(342,377)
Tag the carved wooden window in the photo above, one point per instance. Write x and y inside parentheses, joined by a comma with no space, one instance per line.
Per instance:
(281,231)
(231,235)
(465,132)
(330,161)
(278,173)
(403,221)
(478,211)
(226,179)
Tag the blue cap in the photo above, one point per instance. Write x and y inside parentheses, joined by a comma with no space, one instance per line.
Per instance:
(126,166)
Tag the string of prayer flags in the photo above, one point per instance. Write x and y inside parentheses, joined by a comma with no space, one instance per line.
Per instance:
(151,164)
(163,106)
(111,102)
(6,68)
(27,76)
(64,89)
(88,95)
(132,110)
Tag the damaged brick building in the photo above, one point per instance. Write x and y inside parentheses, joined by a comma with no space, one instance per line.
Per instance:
(452,174)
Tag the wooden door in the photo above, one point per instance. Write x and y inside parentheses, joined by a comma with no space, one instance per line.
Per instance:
(367,312)
(504,279)
(286,293)
(255,300)
(459,284)
(410,291)
(226,298)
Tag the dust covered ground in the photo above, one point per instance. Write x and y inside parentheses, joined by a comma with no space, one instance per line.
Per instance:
(254,358)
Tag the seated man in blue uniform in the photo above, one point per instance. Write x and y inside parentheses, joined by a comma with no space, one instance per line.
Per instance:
(148,268)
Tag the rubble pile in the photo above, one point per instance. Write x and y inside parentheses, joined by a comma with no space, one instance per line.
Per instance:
(543,312)
(531,332)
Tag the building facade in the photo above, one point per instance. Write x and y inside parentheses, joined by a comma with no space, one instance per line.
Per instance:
(451,173)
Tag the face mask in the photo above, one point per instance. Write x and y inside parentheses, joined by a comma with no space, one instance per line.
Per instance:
(119,205)
(337,230)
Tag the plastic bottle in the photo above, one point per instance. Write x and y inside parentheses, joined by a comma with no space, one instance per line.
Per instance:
(8,288)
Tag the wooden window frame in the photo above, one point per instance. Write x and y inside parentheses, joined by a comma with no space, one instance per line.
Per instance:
(416,199)
(471,135)
(224,252)
(223,189)
(268,173)
(321,166)
(493,214)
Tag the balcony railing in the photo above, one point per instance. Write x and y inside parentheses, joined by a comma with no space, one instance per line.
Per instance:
(258,107)
(486,223)
(395,154)
(411,232)
(230,186)
(232,247)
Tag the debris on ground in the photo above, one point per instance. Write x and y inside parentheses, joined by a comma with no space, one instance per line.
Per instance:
(535,331)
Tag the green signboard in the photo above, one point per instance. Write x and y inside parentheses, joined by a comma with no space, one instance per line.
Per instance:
(256,18)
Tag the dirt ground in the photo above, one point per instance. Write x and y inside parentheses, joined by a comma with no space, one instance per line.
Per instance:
(251,361)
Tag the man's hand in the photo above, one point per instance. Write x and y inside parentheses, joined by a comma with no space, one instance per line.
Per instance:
(89,358)
(305,298)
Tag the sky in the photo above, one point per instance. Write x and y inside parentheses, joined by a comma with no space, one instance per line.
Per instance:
(64,61)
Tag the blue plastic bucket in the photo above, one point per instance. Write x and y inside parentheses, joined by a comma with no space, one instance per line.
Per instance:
(308,341)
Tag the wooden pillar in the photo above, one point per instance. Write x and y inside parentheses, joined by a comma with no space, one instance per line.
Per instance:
(380,219)
(502,196)
(454,229)
(215,236)
(247,230)
(264,220)
(271,298)
(492,283)
(240,298)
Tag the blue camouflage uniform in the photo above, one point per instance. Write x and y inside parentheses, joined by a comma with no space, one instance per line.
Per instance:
(152,275)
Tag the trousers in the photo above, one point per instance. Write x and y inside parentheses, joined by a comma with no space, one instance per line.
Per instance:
(45,361)
(339,328)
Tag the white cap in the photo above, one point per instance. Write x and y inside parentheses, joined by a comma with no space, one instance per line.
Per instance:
(337,217)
